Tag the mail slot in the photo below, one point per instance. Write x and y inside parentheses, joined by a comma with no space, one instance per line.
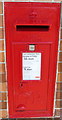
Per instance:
(32,33)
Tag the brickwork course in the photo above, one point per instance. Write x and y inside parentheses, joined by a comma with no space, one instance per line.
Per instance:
(3,80)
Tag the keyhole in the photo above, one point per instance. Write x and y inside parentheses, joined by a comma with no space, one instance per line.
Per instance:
(21,84)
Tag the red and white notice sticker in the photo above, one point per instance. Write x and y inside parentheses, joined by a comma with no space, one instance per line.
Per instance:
(31,66)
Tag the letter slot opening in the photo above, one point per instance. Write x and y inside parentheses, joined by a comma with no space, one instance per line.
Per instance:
(32,27)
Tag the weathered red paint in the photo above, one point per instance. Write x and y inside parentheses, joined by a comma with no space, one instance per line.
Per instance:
(31,23)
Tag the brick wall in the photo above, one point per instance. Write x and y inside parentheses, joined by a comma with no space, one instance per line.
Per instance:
(3,81)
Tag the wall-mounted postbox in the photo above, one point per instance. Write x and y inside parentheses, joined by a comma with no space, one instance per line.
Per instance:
(32,31)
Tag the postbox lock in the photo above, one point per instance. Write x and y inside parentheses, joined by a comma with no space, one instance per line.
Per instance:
(32,47)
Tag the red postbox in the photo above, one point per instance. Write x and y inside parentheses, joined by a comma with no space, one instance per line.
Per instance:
(32,33)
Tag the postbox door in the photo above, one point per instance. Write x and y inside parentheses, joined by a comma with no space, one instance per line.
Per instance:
(30,93)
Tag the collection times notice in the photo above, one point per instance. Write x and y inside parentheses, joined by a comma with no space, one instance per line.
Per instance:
(31,66)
